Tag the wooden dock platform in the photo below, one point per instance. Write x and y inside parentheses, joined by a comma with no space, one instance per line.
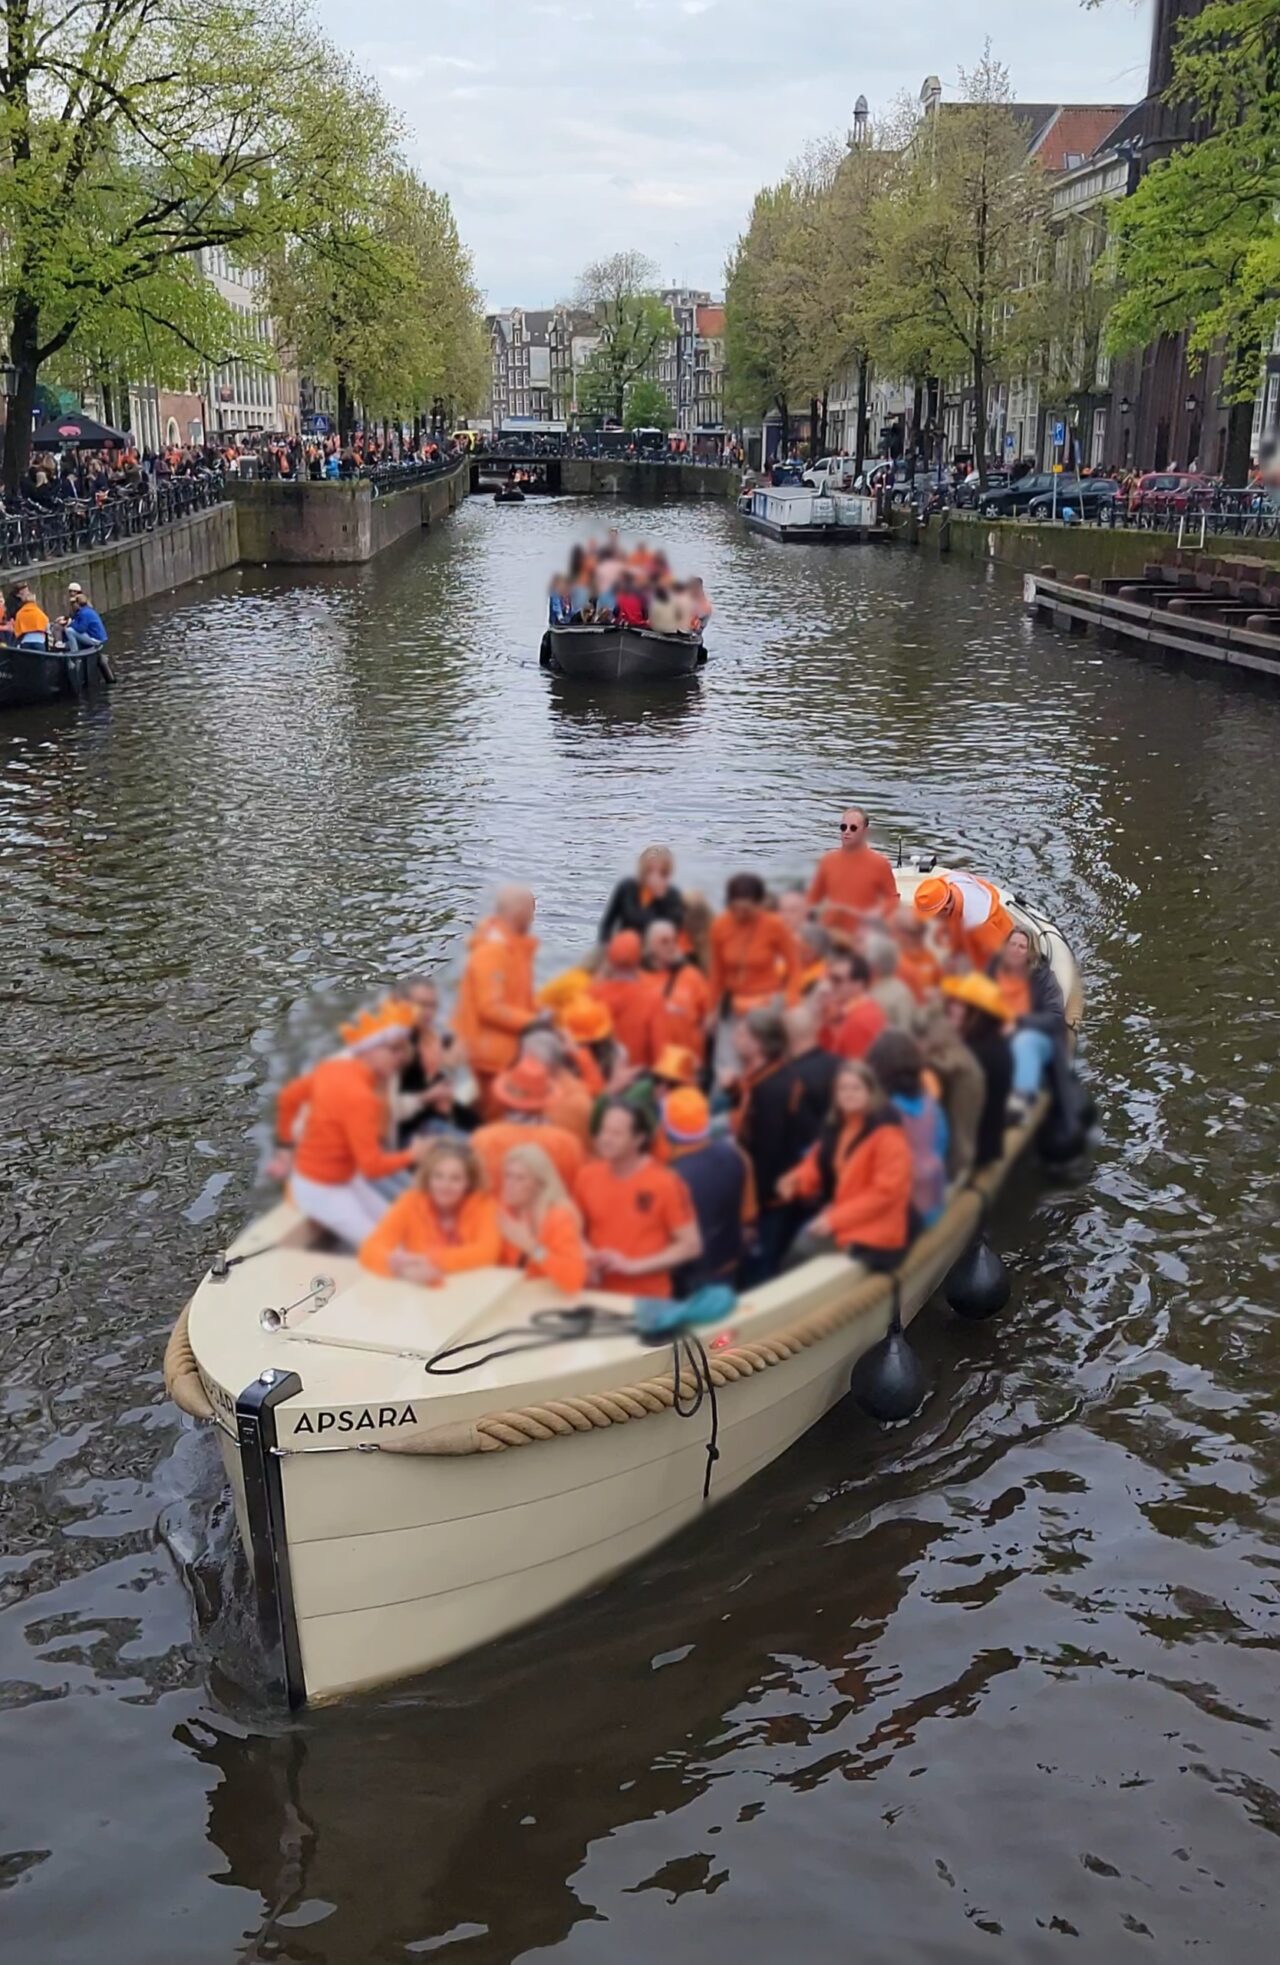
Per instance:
(1173,609)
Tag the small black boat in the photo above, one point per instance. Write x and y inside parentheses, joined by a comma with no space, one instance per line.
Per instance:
(620,654)
(509,495)
(35,675)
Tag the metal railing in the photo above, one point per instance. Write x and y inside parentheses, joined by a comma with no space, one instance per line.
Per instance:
(532,450)
(393,477)
(33,533)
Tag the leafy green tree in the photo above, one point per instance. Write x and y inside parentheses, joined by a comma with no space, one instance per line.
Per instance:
(632,325)
(765,355)
(648,407)
(957,245)
(1198,242)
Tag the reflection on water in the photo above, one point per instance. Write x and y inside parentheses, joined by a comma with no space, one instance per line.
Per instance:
(1005,1674)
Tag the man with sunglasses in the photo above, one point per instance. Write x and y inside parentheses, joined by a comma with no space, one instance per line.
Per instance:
(853,883)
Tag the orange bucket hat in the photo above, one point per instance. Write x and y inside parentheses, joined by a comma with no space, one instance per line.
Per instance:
(526,1087)
(677,1062)
(686,1116)
(586,1020)
(932,895)
(625,949)
(979,991)
(370,1028)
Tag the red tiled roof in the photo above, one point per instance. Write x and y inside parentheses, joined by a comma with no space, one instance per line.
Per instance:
(711,321)
(1078,129)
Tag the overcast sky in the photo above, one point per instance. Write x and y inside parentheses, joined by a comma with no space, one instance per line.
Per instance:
(566,129)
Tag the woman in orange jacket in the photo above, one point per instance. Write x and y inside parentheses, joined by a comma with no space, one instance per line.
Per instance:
(540,1227)
(495,1003)
(442,1226)
(861,1173)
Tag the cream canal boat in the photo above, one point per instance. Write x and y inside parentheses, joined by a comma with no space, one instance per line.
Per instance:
(400,1506)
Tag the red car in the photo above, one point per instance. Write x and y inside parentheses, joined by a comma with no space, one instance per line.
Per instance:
(1171,491)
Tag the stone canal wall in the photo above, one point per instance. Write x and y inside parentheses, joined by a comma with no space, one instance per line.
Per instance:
(605,477)
(191,548)
(335,524)
(1101,551)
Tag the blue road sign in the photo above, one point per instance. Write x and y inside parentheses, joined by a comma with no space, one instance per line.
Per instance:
(1059,433)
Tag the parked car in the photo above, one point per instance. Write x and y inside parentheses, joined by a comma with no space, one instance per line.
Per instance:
(1006,501)
(1170,491)
(966,492)
(832,474)
(1089,498)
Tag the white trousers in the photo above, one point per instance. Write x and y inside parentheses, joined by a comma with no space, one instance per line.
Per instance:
(350,1209)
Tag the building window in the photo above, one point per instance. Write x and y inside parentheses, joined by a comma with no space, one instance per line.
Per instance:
(1097,454)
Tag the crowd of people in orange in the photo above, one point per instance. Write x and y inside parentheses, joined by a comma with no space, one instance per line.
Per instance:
(608,584)
(707,1097)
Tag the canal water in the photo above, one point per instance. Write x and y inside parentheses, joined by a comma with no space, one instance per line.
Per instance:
(961,1691)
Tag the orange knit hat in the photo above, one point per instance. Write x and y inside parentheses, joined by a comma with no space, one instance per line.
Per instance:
(932,895)
(525,1088)
(625,949)
(686,1116)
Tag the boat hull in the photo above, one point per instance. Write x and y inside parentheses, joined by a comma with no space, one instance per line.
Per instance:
(28,677)
(593,654)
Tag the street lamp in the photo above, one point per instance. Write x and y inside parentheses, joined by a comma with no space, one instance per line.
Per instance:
(8,379)
(1125,405)
(1192,404)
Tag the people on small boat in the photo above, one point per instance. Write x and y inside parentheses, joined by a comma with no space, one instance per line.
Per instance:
(82,626)
(446,1223)
(853,883)
(639,1220)
(540,1227)
(521,1096)
(28,622)
(598,1096)
(606,585)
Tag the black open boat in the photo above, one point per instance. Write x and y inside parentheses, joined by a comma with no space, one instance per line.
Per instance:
(36,675)
(620,654)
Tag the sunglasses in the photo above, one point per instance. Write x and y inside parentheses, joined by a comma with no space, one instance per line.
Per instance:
(855,827)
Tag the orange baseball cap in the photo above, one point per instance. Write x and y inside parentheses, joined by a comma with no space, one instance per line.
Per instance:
(677,1062)
(932,895)
(369,1028)
(686,1116)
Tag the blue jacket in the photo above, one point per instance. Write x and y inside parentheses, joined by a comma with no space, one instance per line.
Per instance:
(87,621)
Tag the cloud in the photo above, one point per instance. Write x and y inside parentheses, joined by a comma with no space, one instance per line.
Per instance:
(565,129)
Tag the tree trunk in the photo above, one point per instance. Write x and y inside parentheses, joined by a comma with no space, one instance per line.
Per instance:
(826,444)
(108,399)
(344,411)
(1235,467)
(980,416)
(861,446)
(917,410)
(785,414)
(23,345)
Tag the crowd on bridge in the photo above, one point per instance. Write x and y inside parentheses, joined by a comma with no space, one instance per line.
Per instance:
(705,1097)
(608,584)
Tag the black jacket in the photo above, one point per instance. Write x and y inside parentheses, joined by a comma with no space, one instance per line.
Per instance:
(627,910)
(993,1054)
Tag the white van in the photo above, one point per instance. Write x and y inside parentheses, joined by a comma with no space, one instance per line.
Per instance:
(832,474)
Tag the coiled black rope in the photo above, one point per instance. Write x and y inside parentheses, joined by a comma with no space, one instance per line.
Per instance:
(687,1348)
(544,1329)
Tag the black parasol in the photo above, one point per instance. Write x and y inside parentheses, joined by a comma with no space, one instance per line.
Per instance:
(74,428)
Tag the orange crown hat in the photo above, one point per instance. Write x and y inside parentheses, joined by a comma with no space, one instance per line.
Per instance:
(979,991)
(525,1088)
(586,1020)
(686,1115)
(381,1026)
(678,1063)
(625,949)
(932,895)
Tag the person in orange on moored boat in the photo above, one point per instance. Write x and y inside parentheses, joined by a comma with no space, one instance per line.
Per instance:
(918,966)
(680,1003)
(860,1172)
(627,993)
(754,964)
(495,1003)
(541,1228)
(522,1096)
(342,1113)
(853,883)
(572,1099)
(589,1029)
(968,911)
(444,1225)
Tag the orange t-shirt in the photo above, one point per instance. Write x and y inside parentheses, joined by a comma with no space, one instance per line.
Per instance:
(752,961)
(564,1260)
(495,1141)
(634,1214)
(30,620)
(849,884)
(570,1106)
(920,970)
(412,1224)
(852,1034)
(681,1004)
(345,1125)
(629,1001)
